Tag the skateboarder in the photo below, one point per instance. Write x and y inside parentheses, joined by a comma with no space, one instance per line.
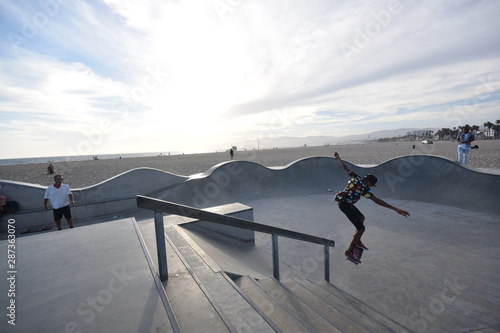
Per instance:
(357,187)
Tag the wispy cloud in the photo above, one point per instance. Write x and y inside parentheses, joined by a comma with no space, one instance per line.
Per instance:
(122,76)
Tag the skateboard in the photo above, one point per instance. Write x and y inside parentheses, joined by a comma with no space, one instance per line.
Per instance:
(358,252)
(30,230)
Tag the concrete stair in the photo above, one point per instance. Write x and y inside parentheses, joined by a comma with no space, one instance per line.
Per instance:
(314,307)
(287,311)
(205,298)
(234,312)
(363,314)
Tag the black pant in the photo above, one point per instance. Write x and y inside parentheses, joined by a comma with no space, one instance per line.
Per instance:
(353,214)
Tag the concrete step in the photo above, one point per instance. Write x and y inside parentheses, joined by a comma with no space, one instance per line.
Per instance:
(336,311)
(282,319)
(361,313)
(188,301)
(297,307)
(232,308)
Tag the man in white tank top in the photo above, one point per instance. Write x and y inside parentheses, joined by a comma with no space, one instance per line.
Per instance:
(60,198)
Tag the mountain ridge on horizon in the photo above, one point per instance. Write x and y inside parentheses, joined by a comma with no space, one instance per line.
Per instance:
(322,140)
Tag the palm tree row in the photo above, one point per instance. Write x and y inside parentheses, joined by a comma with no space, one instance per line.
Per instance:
(491,131)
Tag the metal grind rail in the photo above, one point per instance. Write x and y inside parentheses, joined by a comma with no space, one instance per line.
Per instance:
(159,207)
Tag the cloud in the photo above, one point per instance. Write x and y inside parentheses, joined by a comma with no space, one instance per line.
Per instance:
(407,46)
(202,73)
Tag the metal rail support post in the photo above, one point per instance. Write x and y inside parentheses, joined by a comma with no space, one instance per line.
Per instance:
(276,260)
(327,263)
(160,246)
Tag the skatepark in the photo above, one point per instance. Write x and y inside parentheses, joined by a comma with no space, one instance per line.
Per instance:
(436,271)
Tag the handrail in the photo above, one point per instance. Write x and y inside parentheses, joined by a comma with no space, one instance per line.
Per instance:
(161,206)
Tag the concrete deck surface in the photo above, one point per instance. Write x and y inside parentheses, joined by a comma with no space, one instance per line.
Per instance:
(86,279)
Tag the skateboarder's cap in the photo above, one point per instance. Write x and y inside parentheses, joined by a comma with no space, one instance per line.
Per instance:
(371,178)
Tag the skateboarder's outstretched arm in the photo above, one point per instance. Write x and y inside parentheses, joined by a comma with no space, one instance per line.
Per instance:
(342,164)
(385,204)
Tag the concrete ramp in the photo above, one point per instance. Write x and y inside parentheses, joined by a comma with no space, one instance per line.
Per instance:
(437,180)
(421,178)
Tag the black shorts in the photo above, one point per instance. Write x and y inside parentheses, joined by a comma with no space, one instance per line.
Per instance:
(353,214)
(60,212)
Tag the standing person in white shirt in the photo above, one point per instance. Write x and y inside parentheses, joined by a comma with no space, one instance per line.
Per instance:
(60,197)
(465,138)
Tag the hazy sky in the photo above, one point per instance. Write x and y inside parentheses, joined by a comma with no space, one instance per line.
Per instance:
(118,76)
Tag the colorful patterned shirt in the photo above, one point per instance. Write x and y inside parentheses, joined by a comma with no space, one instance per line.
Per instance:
(354,190)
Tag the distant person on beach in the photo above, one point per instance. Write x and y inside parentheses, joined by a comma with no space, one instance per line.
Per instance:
(231,153)
(60,197)
(465,138)
(51,170)
(357,187)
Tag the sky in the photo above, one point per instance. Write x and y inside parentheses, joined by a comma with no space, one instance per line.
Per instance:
(121,76)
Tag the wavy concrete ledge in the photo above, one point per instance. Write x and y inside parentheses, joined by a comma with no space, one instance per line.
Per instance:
(113,196)
(416,178)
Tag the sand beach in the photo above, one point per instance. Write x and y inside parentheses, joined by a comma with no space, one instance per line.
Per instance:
(81,174)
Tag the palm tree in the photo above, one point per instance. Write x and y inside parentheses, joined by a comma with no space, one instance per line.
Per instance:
(490,125)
